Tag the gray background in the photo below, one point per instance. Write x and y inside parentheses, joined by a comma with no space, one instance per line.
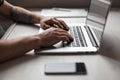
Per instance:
(48,4)
(56,3)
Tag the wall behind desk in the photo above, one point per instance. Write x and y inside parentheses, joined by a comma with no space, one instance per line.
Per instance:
(55,3)
(50,3)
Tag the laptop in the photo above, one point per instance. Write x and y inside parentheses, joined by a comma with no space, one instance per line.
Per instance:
(87,36)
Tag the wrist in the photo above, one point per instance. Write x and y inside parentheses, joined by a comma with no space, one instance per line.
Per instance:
(41,18)
(38,40)
(38,19)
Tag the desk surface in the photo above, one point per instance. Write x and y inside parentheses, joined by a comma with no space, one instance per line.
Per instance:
(102,66)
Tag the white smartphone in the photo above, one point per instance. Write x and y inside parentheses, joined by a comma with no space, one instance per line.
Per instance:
(65,68)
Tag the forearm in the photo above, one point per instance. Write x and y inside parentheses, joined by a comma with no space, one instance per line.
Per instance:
(19,14)
(10,49)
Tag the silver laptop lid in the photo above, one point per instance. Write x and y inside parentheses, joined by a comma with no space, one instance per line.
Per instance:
(97,16)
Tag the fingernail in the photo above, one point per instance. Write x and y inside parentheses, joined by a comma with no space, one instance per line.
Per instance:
(67,29)
(72,40)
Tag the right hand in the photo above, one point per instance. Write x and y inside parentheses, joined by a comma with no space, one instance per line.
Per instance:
(52,36)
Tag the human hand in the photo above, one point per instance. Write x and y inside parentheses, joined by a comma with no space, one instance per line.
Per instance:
(52,36)
(53,22)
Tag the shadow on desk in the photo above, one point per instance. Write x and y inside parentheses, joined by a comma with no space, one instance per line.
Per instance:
(18,61)
(110,47)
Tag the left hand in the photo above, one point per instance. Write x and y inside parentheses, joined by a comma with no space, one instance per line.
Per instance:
(53,22)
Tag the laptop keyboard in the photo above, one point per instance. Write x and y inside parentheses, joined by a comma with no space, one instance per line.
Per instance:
(98,34)
(79,39)
(92,39)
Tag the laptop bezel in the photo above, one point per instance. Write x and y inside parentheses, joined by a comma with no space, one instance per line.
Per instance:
(106,18)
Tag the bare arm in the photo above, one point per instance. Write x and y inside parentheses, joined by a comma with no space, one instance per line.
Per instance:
(13,48)
(19,14)
(10,49)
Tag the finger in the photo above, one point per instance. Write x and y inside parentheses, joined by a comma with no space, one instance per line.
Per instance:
(45,26)
(63,24)
(64,38)
(56,26)
(57,23)
(62,32)
(67,35)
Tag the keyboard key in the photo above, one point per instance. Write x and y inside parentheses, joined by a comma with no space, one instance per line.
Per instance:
(79,39)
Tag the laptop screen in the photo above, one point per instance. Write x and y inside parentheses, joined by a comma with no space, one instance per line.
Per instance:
(98,12)
(97,15)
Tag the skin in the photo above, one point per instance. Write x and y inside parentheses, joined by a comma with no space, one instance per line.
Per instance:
(56,30)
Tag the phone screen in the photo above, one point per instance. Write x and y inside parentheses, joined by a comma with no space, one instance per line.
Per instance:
(65,68)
